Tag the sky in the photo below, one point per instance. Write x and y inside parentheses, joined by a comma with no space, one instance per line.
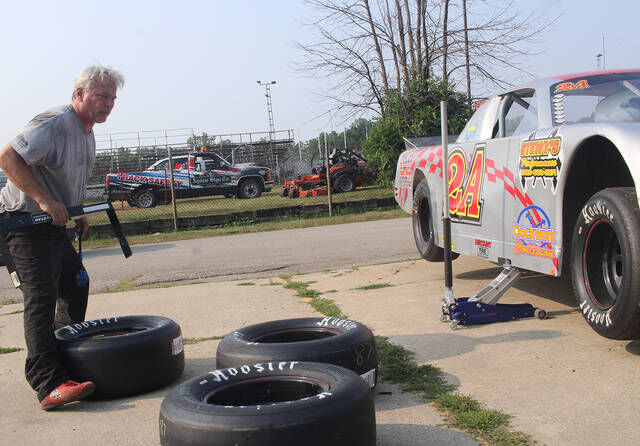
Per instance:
(194,64)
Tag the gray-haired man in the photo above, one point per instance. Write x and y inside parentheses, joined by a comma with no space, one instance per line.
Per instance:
(47,166)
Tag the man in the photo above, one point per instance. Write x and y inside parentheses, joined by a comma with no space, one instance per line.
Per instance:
(47,166)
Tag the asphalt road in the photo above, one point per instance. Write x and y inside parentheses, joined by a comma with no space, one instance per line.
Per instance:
(249,255)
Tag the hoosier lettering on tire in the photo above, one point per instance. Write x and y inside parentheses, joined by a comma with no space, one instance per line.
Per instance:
(123,355)
(342,342)
(270,403)
(604,263)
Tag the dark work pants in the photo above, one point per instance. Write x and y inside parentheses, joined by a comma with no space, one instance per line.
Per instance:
(47,265)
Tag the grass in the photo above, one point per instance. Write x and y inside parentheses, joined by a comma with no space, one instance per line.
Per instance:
(396,365)
(217,205)
(246,284)
(128,285)
(4,350)
(460,411)
(322,305)
(374,286)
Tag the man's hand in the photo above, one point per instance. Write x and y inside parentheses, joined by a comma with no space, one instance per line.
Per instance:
(57,211)
(82,225)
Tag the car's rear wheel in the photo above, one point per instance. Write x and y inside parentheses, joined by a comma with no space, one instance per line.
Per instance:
(144,198)
(250,188)
(605,255)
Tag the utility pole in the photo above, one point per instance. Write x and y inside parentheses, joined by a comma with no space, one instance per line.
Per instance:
(267,87)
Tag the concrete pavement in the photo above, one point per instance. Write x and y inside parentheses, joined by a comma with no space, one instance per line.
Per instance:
(561,382)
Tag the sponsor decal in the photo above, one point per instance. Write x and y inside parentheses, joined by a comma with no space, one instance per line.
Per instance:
(539,160)
(534,234)
(471,133)
(335,322)
(568,86)
(176,346)
(482,248)
(76,328)
(146,179)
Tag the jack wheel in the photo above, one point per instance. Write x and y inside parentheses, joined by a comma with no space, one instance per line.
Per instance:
(453,324)
(540,313)
(444,317)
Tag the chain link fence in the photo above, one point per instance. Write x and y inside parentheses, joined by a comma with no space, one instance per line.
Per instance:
(236,174)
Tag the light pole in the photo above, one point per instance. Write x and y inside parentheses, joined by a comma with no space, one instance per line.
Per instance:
(267,87)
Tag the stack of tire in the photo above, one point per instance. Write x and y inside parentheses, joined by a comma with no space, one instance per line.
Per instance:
(289,382)
(123,356)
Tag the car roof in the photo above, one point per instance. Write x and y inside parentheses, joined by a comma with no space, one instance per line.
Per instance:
(550,80)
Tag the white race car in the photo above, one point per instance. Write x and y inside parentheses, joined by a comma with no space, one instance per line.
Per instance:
(544,177)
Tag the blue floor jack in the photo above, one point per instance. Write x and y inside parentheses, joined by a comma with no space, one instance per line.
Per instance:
(483,307)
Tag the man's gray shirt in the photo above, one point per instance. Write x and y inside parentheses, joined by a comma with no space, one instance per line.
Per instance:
(60,153)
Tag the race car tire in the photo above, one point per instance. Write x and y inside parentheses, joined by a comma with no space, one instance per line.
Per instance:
(605,254)
(423,225)
(342,342)
(344,183)
(123,356)
(284,192)
(145,198)
(294,193)
(249,188)
(272,403)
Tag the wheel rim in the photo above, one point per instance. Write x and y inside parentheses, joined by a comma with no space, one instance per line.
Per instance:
(144,199)
(250,189)
(603,264)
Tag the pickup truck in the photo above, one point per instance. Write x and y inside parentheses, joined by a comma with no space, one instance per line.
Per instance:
(196,174)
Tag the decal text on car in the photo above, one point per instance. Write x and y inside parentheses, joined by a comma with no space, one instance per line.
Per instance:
(464,189)
(539,160)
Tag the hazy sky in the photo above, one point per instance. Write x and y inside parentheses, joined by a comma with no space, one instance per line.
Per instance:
(194,64)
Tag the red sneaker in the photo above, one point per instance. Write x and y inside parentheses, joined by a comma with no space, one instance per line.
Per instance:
(67,392)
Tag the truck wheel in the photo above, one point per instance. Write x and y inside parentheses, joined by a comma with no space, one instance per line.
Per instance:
(423,225)
(123,356)
(145,199)
(605,255)
(342,342)
(250,188)
(271,403)
(344,183)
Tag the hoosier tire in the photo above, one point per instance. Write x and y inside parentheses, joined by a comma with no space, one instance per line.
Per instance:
(605,254)
(271,403)
(342,342)
(422,222)
(123,355)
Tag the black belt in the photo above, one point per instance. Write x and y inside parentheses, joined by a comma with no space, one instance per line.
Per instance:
(18,219)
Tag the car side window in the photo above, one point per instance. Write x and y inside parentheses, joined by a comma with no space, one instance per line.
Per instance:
(522,116)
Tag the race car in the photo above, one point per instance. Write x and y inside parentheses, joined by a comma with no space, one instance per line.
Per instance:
(544,177)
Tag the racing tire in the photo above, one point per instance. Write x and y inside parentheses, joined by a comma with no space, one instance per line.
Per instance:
(249,188)
(344,183)
(342,342)
(294,193)
(123,356)
(422,222)
(272,403)
(284,192)
(605,254)
(145,199)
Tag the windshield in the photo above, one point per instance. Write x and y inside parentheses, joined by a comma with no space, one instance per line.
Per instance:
(603,98)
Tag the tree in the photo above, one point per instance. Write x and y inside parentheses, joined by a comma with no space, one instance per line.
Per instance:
(367,48)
